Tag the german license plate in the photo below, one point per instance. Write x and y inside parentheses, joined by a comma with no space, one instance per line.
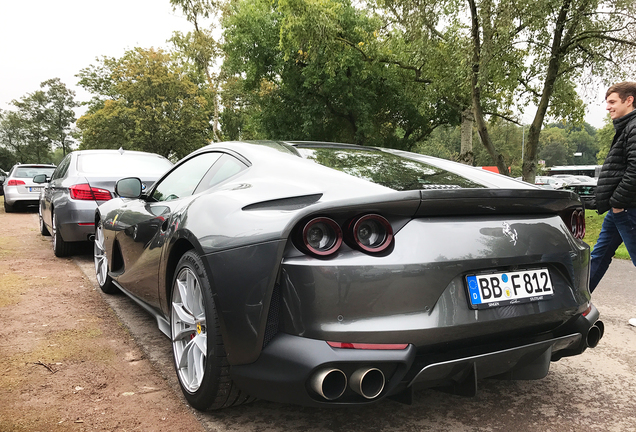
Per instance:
(34,189)
(500,289)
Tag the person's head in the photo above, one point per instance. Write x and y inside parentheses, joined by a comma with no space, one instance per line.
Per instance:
(621,99)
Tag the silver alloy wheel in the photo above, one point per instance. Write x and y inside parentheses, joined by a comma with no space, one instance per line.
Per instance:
(189,330)
(99,256)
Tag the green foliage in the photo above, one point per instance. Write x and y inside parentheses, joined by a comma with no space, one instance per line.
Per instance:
(148,101)
(41,122)
(604,138)
(312,70)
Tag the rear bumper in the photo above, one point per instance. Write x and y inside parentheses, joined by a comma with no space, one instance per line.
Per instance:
(13,196)
(287,368)
(76,220)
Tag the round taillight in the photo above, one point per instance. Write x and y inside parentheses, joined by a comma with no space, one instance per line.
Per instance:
(574,224)
(322,236)
(372,233)
(581,224)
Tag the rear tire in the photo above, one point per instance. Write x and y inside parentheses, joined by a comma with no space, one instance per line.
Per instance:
(100,257)
(60,247)
(197,346)
(43,229)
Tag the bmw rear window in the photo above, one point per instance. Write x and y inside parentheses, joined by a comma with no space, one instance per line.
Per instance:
(115,164)
(396,172)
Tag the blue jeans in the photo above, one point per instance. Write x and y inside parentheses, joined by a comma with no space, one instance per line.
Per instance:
(617,228)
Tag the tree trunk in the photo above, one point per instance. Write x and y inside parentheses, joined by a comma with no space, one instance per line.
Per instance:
(482,127)
(529,168)
(466,155)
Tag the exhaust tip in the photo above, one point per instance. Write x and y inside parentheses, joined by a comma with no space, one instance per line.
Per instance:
(329,383)
(367,382)
(91,237)
(595,334)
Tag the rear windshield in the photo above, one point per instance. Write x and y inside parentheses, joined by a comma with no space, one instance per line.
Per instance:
(127,164)
(386,169)
(30,172)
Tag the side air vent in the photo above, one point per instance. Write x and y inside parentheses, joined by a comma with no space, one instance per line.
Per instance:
(294,203)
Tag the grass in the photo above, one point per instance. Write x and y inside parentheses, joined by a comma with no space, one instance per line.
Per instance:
(593,223)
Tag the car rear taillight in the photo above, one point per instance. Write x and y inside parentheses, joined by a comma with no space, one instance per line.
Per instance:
(322,236)
(15,183)
(371,233)
(575,221)
(85,192)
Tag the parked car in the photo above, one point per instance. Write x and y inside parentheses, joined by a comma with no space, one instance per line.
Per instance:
(83,180)
(549,182)
(332,274)
(577,179)
(3,175)
(20,191)
(586,192)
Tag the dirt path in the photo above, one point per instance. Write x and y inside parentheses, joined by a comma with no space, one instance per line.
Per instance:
(66,361)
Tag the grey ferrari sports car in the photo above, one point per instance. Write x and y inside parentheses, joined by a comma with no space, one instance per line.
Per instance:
(332,274)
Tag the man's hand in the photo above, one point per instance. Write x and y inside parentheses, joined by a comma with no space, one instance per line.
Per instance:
(617,210)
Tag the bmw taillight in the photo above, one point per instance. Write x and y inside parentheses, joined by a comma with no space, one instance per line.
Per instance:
(85,192)
(575,221)
(371,233)
(322,236)
(15,183)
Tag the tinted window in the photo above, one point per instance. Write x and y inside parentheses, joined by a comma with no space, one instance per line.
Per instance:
(30,172)
(223,169)
(62,168)
(386,169)
(184,179)
(126,164)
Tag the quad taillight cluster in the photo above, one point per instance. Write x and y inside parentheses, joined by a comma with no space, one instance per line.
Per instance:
(322,236)
(85,192)
(575,221)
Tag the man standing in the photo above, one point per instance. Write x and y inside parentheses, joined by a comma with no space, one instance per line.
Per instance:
(616,188)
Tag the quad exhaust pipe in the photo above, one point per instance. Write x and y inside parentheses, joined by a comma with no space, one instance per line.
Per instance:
(594,334)
(331,383)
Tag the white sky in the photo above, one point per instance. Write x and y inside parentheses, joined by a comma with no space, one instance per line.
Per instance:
(43,39)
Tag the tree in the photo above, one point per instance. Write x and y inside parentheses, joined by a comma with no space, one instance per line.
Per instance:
(145,101)
(59,115)
(315,73)
(201,47)
(31,126)
(604,138)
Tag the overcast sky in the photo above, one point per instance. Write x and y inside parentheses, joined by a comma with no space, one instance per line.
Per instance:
(43,39)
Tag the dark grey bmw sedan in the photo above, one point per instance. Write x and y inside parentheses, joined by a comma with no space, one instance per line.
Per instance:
(83,180)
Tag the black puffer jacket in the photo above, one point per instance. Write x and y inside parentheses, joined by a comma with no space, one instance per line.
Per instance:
(617,182)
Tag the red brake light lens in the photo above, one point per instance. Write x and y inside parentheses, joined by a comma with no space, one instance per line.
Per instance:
(351,345)
(372,233)
(322,236)
(15,183)
(84,192)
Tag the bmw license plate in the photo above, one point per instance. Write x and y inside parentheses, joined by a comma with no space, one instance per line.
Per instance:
(500,289)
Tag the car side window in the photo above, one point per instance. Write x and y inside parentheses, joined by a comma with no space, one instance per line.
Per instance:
(183,180)
(226,167)
(62,168)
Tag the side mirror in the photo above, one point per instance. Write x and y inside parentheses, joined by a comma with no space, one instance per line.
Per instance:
(128,187)
(40,178)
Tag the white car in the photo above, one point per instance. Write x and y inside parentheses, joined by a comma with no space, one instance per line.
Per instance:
(550,182)
(19,188)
